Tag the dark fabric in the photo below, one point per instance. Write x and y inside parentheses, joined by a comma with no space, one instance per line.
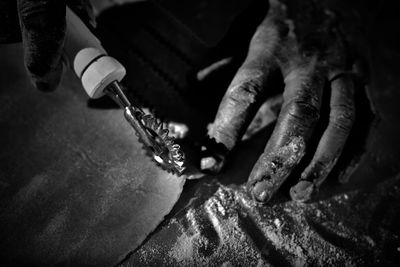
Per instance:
(9,24)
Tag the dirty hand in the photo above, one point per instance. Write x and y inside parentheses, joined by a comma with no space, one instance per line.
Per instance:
(301,41)
(41,26)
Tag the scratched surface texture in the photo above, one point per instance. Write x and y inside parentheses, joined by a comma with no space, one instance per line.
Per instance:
(215,222)
(75,185)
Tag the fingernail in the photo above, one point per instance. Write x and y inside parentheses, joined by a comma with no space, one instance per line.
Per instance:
(260,191)
(302,191)
(211,164)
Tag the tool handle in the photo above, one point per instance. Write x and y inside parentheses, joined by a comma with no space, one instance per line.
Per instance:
(90,62)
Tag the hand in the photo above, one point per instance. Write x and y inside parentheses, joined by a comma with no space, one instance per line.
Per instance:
(41,26)
(304,44)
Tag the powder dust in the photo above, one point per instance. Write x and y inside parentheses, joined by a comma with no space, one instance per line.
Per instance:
(230,229)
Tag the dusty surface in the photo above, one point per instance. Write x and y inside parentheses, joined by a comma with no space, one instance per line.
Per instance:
(228,229)
(75,186)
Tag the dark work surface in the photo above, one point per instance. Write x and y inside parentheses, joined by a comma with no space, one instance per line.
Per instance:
(75,185)
(72,196)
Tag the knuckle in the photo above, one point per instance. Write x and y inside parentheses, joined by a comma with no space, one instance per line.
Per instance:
(35,14)
(319,169)
(303,109)
(29,9)
(274,27)
(246,92)
(320,163)
(282,27)
(342,117)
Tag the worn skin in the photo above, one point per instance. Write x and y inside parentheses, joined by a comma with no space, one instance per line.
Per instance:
(302,40)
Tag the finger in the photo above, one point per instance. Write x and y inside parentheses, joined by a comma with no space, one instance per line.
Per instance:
(341,119)
(297,119)
(43,33)
(244,95)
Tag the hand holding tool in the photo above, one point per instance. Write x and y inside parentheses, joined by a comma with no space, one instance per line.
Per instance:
(101,74)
